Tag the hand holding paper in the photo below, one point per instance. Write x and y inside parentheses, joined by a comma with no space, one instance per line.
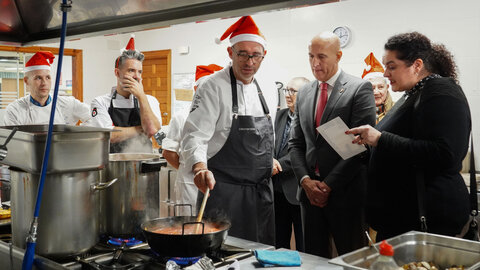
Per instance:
(366,135)
(334,133)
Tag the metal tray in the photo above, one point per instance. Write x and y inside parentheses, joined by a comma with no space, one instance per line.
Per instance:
(416,246)
(73,148)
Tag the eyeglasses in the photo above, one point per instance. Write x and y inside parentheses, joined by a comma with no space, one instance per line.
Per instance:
(244,57)
(290,92)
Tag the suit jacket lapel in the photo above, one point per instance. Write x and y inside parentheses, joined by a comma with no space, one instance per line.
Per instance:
(311,102)
(337,92)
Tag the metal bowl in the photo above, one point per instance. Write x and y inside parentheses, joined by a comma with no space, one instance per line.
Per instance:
(444,251)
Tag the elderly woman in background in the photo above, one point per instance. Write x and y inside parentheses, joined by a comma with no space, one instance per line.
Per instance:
(374,74)
(422,140)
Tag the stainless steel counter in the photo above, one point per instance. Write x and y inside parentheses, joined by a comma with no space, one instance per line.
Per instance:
(308,262)
(11,258)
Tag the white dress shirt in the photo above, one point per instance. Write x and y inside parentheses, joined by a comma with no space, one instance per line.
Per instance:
(185,189)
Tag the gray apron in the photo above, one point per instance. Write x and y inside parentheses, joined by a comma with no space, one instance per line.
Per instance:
(243,191)
(125,117)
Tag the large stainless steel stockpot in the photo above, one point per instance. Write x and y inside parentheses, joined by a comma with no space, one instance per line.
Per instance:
(68,221)
(134,199)
(73,148)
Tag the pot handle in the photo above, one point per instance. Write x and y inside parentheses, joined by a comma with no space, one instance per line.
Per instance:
(102,186)
(191,223)
(152,165)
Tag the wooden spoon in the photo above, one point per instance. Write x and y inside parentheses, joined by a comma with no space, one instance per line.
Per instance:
(202,209)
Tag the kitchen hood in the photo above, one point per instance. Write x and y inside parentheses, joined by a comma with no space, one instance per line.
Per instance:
(28,22)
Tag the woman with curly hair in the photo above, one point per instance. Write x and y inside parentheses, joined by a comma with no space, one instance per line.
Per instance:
(418,148)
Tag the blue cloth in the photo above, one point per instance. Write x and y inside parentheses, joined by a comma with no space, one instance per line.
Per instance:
(278,258)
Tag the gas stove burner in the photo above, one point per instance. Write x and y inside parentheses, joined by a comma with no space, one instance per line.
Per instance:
(128,241)
(185,261)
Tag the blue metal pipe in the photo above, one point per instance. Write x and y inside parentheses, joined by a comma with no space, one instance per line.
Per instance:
(32,237)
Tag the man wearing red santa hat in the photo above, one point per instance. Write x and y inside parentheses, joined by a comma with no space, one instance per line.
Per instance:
(36,106)
(127,108)
(185,190)
(228,138)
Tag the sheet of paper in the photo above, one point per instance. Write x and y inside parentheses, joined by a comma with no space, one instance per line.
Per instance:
(334,133)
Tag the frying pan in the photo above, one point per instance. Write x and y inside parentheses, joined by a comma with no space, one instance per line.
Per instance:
(184,245)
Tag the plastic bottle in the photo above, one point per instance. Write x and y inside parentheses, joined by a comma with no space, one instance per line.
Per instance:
(385,261)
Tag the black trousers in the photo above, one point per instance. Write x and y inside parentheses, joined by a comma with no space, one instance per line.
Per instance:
(346,225)
(287,214)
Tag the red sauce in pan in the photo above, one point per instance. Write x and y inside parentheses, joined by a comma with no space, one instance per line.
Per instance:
(189,229)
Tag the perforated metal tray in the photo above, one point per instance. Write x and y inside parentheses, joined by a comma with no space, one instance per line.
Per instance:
(73,148)
(414,246)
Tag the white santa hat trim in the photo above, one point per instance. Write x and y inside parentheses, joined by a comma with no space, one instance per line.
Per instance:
(249,37)
(39,67)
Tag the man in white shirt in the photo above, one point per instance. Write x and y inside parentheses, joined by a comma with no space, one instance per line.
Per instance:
(185,190)
(228,138)
(127,108)
(35,108)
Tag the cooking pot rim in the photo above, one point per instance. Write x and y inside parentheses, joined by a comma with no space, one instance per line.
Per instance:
(119,157)
(224,223)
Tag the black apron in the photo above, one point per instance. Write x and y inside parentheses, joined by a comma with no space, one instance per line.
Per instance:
(242,168)
(124,117)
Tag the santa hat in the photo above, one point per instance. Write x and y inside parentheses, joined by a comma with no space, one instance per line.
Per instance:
(202,71)
(40,60)
(130,47)
(244,29)
(206,70)
(131,43)
(374,68)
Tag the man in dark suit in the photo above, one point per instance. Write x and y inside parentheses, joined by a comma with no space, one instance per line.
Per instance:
(285,185)
(332,192)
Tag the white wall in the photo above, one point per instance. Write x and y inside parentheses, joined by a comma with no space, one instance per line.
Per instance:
(454,23)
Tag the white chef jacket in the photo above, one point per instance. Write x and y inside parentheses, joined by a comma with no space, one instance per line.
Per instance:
(100,105)
(185,189)
(68,111)
(208,125)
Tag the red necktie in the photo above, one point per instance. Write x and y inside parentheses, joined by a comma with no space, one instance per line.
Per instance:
(322,102)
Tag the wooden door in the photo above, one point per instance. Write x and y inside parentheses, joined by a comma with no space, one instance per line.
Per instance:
(157,80)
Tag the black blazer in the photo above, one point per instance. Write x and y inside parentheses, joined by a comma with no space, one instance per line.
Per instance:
(286,179)
(429,132)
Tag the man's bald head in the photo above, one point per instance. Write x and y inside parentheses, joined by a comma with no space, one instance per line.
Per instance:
(329,39)
(324,54)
